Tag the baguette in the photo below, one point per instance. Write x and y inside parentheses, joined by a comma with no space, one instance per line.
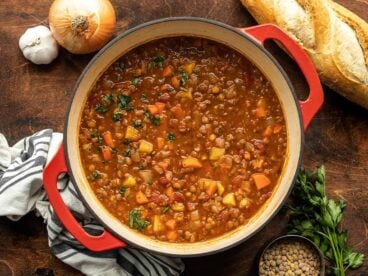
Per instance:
(335,39)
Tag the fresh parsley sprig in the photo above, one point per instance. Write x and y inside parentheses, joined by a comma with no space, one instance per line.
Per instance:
(318,217)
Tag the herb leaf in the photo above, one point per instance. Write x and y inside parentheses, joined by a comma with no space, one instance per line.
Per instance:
(318,217)
(184,78)
(171,136)
(101,108)
(95,175)
(122,190)
(165,209)
(135,220)
(159,61)
(136,81)
(124,102)
(117,116)
(155,120)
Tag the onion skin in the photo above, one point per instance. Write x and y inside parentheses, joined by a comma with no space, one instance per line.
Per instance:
(82,26)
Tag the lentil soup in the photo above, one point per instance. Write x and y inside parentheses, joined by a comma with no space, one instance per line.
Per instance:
(182,139)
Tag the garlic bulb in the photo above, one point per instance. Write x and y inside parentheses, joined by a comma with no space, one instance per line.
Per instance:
(38,45)
(82,26)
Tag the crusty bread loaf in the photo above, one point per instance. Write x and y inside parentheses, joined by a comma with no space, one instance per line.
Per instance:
(335,38)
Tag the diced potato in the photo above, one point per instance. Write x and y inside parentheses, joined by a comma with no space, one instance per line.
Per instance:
(191,162)
(178,207)
(220,188)
(158,226)
(189,68)
(229,200)
(185,94)
(146,175)
(132,133)
(141,198)
(145,146)
(215,89)
(129,181)
(216,153)
(244,203)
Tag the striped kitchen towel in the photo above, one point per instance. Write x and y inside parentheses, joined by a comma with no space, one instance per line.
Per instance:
(21,191)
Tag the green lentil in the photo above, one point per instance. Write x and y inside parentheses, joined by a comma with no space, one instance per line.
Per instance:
(290,258)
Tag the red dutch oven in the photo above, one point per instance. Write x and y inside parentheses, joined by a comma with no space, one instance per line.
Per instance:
(248,42)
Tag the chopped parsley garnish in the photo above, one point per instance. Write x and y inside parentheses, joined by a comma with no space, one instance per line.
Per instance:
(93,133)
(143,97)
(101,108)
(122,190)
(137,124)
(149,65)
(114,151)
(99,139)
(170,136)
(95,175)
(135,220)
(149,183)
(124,102)
(155,120)
(107,99)
(127,152)
(116,117)
(165,209)
(184,78)
(159,61)
(136,81)
(147,114)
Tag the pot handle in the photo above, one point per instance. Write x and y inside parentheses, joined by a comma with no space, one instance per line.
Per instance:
(105,241)
(312,104)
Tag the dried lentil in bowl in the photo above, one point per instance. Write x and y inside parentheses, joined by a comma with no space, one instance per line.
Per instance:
(290,258)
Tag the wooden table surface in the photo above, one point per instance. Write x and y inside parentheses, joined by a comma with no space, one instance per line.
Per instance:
(35,97)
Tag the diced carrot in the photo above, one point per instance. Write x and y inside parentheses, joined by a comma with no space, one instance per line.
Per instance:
(153,109)
(211,188)
(169,191)
(277,128)
(141,198)
(178,112)
(160,142)
(106,153)
(108,139)
(261,180)
(175,82)
(171,224)
(167,72)
(191,162)
(172,235)
(268,131)
(160,106)
(261,112)
(164,164)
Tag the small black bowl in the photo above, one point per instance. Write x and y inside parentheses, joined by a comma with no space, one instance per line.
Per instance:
(299,238)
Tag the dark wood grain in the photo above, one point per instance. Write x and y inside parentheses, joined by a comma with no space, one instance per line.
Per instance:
(35,97)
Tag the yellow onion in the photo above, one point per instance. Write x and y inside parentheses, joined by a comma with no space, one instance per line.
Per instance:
(82,26)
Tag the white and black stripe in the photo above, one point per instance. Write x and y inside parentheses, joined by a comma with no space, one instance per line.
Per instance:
(21,168)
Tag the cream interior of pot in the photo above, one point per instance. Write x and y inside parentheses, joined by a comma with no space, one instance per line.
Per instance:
(221,34)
